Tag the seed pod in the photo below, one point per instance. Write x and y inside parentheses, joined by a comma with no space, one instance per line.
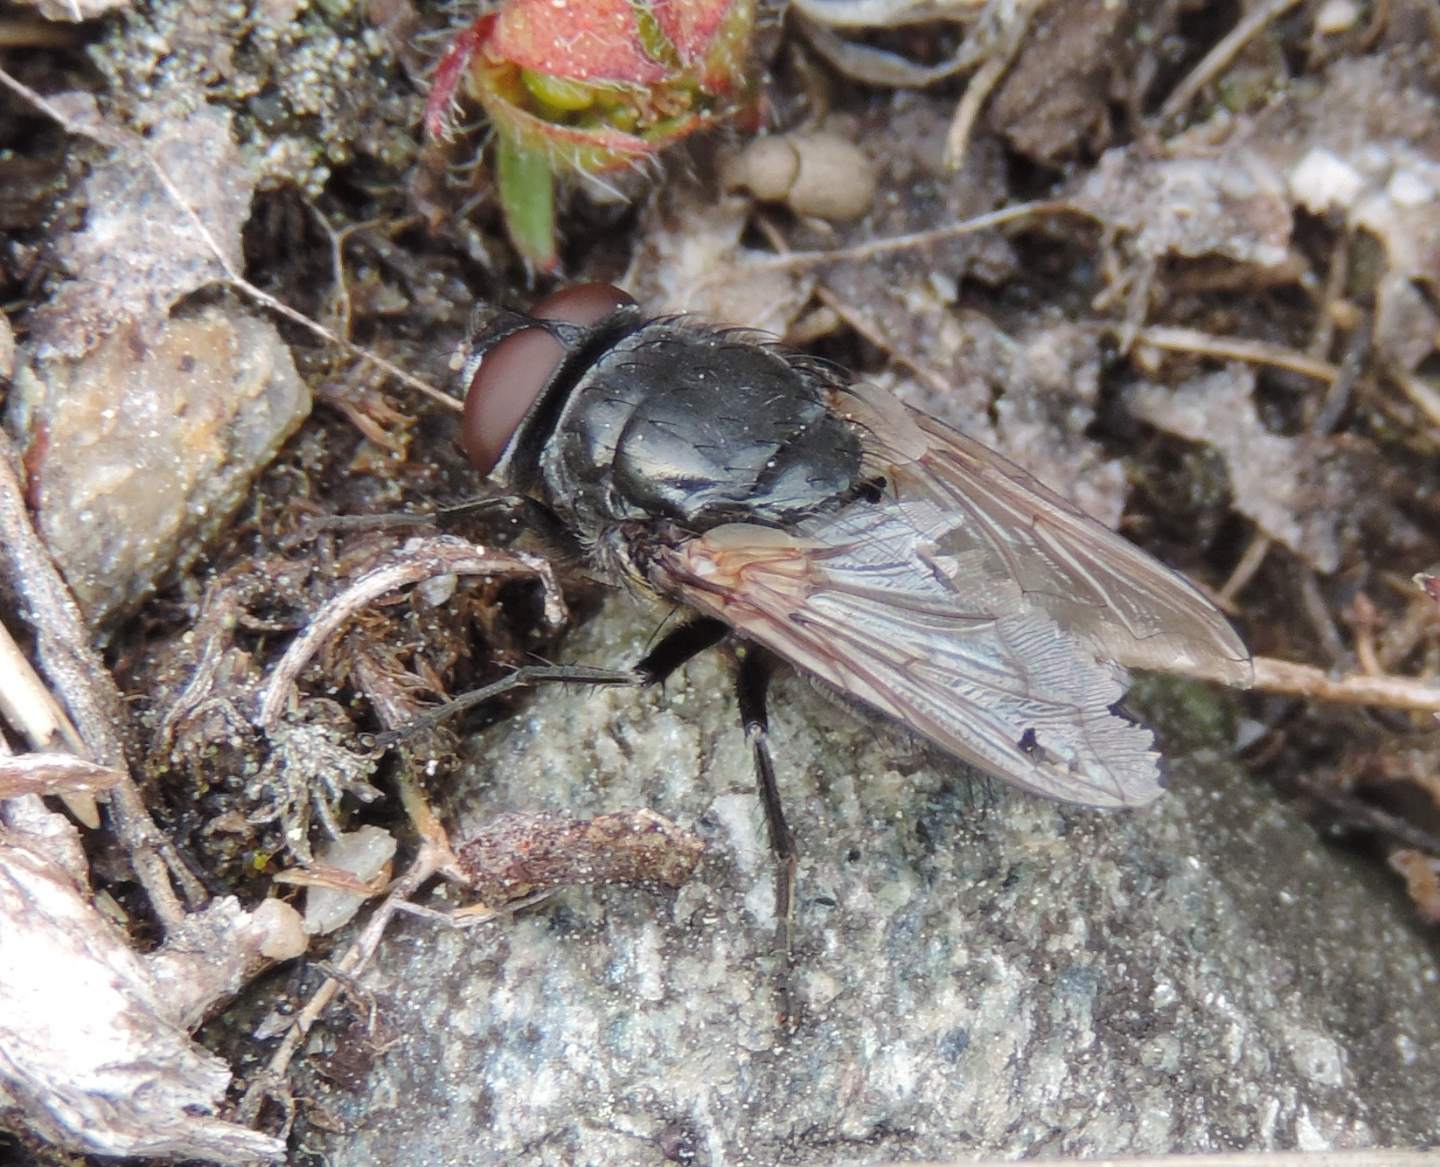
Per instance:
(818,174)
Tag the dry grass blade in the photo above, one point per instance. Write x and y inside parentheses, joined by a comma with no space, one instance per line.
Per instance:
(62,774)
(332,878)
(1225,51)
(1006,45)
(1422,394)
(28,706)
(1254,352)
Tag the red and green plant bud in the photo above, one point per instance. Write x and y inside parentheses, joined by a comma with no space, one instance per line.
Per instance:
(591,86)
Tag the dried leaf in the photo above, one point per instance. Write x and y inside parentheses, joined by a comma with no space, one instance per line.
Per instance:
(1299,490)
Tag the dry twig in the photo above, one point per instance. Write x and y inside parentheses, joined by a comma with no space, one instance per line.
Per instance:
(90,694)
(421,559)
(1312,684)
(1218,59)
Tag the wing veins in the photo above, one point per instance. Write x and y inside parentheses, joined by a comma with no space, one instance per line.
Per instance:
(897,652)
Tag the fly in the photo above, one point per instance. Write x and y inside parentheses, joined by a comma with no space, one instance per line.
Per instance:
(821,522)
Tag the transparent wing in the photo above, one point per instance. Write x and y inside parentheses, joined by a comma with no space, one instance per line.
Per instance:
(972,605)
(990,514)
(958,657)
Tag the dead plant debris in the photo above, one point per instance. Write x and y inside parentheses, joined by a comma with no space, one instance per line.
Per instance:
(520,856)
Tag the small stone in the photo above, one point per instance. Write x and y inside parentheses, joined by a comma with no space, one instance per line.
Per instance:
(363,854)
(142,448)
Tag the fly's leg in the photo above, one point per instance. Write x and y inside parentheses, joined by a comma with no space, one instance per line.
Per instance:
(521,678)
(677,647)
(751,687)
(524,514)
(680,645)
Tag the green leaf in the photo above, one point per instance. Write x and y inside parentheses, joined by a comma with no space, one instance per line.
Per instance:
(527,199)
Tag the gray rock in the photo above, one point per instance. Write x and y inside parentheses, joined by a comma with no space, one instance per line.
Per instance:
(142,448)
(975,971)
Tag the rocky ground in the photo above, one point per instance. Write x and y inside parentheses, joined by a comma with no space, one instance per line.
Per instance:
(1180,262)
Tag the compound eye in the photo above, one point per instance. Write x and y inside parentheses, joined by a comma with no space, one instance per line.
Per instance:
(581,304)
(509,378)
(513,372)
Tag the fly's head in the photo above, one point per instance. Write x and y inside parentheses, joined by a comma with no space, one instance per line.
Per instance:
(520,373)
(518,370)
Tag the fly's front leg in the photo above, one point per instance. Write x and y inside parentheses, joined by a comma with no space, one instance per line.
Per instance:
(674,650)
(751,688)
(523,514)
